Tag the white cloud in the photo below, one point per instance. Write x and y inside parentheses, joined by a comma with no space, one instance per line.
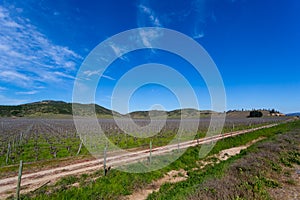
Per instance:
(151,15)
(149,36)
(12,24)
(108,77)
(190,18)
(28,56)
(119,51)
(12,75)
(11,101)
(2,15)
(61,74)
(15,77)
(145,9)
(199,35)
(89,73)
(27,92)
(70,64)
(148,17)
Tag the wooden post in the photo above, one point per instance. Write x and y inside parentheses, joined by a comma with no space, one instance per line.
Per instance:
(150,152)
(104,159)
(13,143)
(19,179)
(79,148)
(21,136)
(8,153)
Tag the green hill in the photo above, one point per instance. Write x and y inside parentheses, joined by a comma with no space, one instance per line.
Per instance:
(52,108)
(49,107)
(186,113)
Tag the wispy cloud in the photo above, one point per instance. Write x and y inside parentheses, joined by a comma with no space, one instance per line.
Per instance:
(62,74)
(119,51)
(11,101)
(108,77)
(28,56)
(13,75)
(27,92)
(15,78)
(90,73)
(149,36)
(150,15)
(198,35)
(191,18)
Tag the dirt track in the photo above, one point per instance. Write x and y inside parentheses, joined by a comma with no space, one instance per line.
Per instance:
(34,180)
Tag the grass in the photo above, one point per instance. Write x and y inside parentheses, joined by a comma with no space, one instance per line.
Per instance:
(45,146)
(244,176)
(118,183)
(12,170)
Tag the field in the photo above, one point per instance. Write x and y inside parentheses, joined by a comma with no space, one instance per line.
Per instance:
(44,139)
(51,143)
(256,173)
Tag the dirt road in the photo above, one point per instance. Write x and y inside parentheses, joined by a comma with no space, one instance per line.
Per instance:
(34,180)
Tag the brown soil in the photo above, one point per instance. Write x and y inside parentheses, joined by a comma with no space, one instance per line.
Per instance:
(171,177)
(225,154)
(181,175)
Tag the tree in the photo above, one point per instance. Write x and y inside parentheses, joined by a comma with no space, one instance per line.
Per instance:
(255,113)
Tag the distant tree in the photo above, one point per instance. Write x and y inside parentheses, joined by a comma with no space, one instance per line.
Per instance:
(273,111)
(255,113)
(16,113)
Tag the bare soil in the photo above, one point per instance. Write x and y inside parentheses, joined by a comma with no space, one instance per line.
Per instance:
(171,177)
(181,175)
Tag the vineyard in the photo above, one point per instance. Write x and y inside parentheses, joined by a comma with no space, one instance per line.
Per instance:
(85,180)
(44,139)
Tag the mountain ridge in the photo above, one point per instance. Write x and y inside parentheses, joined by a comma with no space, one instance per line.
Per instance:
(52,107)
(49,107)
(296,114)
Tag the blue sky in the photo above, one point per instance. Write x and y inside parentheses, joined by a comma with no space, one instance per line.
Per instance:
(254,43)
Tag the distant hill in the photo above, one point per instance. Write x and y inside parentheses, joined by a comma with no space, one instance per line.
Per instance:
(186,113)
(294,114)
(60,108)
(246,113)
(49,107)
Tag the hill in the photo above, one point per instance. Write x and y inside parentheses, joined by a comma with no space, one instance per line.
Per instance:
(186,113)
(56,108)
(49,107)
(294,114)
(246,113)
(60,108)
